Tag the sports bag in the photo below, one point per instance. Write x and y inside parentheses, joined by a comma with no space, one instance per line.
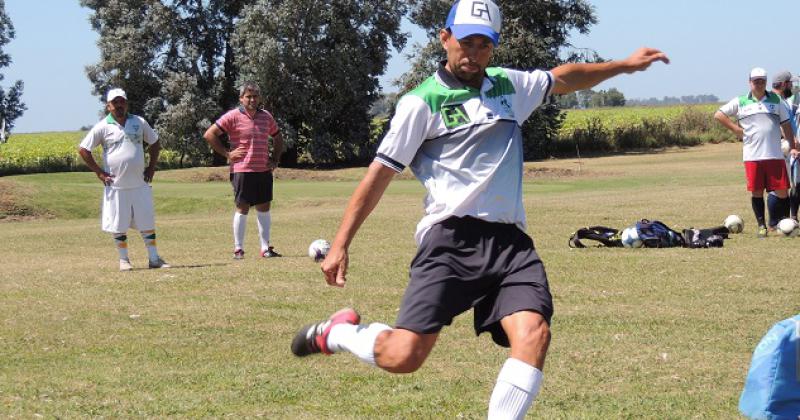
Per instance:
(772,388)
(705,238)
(657,235)
(607,236)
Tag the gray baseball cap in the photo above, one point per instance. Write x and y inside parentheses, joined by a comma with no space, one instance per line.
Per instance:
(783,76)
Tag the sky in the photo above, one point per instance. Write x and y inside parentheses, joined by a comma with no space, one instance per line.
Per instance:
(713,44)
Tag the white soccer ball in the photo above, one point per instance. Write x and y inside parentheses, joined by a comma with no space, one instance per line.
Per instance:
(734,223)
(789,227)
(785,148)
(630,238)
(319,249)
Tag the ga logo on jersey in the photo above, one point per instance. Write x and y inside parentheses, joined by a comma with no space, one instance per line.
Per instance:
(454,115)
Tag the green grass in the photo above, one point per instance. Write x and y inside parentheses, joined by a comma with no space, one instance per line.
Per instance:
(647,333)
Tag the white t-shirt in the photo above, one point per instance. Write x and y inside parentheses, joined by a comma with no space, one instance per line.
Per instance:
(123,148)
(761,121)
(465,145)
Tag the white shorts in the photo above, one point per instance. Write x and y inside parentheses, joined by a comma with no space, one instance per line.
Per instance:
(128,209)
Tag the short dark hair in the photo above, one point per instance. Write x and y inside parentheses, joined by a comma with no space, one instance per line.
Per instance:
(248,85)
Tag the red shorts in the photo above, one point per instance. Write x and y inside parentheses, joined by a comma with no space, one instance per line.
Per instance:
(767,175)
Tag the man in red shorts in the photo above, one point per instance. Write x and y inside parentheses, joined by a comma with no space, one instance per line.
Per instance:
(760,117)
(249,130)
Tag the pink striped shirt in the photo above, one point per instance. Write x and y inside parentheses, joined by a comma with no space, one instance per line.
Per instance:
(251,133)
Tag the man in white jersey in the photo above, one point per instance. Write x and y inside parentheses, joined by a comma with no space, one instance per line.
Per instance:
(127,198)
(782,85)
(761,119)
(459,132)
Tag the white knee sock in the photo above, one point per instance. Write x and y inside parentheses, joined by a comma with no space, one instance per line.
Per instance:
(356,339)
(121,240)
(264,222)
(239,228)
(516,388)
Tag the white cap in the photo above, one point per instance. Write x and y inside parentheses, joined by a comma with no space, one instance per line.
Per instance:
(116,93)
(471,17)
(758,73)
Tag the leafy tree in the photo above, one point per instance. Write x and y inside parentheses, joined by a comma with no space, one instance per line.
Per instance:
(317,62)
(11,105)
(568,101)
(175,61)
(535,34)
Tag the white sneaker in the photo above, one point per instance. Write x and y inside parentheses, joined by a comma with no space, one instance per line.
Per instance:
(159,263)
(125,265)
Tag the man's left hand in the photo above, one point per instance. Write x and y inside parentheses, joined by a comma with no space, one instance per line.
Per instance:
(793,153)
(148,174)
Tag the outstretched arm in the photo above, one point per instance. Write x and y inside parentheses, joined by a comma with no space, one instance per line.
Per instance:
(572,77)
(362,202)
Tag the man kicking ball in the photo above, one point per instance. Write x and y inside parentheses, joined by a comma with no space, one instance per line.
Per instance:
(459,131)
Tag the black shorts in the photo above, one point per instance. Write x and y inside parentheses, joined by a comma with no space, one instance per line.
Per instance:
(252,188)
(465,263)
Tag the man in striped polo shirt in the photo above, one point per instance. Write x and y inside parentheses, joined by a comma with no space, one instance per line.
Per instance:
(459,132)
(249,130)
(761,117)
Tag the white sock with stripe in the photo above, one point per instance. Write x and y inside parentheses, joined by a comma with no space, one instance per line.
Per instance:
(356,339)
(121,240)
(264,222)
(517,386)
(239,228)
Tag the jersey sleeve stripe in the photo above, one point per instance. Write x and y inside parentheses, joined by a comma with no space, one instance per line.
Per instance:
(550,84)
(389,162)
(220,127)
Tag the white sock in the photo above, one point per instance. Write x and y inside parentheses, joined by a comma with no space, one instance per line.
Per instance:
(264,222)
(356,339)
(149,238)
(121,240)
(239,228)
(517,385)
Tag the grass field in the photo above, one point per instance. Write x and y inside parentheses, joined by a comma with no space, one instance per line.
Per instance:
(647,333)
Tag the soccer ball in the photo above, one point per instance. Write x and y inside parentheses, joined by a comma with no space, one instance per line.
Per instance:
(319,249)
(785,148)
(734,223)
(630,238)
(789,227)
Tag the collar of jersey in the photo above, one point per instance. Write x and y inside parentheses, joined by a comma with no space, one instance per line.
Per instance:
(448,80)
(110,118)
(244,111)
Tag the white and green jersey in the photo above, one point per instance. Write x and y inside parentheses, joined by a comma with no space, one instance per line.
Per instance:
(465,145)
(123,148)
(761,122)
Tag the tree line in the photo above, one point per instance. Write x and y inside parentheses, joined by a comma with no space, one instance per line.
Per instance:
(317,62)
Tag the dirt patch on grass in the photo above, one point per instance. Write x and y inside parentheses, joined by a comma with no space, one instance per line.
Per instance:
(14,205)
(222,174)
(531,172)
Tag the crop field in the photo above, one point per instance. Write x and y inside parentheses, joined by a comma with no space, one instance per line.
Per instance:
(49,152)
(619,117)
(41,152)
(637,333)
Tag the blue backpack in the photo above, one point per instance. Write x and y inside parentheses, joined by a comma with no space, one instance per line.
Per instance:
(772,388)
(658,235)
